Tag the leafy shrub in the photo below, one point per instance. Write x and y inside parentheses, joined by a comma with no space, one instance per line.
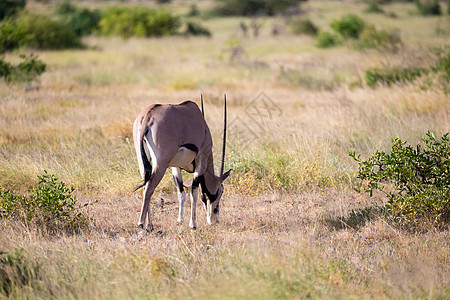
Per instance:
(428,7)
(27,70)
(349,26)
(41,32)
(375,77)
(16,270)
(193,28)
(383,40)
(416,180)
(51,205)
(137,21)
(10,7)
(10,36)
(304,26)
(82,20)
(327,39)
(253,7)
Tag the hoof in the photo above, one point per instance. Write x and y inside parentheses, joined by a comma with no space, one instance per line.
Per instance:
(193,228)
(141,226)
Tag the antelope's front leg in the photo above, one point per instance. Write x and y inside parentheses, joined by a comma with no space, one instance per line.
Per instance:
(176,172)
(194,195)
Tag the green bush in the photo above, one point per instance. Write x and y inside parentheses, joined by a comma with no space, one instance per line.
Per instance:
(196,29)
(383,40)
(50,206)
(349,26)
(42,32)
(253,7)
(303,26)
(388,77)
(416,180)
(428,7)
(26,71)
(11,7)
(82,20)
(137,21)
(327,39)
(10,36)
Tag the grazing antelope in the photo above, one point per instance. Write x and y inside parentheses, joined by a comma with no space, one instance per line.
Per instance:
(177,136)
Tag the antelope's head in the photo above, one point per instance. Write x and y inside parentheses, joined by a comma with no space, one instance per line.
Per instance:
(210,200)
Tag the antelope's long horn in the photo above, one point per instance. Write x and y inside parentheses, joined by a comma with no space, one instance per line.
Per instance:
(201,100)
(222,164)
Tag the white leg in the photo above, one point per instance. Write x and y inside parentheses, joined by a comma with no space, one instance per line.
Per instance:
(194,194)
(177,177)
(144,206)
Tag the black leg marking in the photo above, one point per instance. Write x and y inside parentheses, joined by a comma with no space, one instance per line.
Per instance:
(178,183)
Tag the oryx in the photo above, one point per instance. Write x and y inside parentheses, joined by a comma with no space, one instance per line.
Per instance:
(177,136)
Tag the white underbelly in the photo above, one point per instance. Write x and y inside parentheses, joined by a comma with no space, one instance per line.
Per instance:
(183,158)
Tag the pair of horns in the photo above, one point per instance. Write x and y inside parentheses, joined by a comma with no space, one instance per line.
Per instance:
(222,162)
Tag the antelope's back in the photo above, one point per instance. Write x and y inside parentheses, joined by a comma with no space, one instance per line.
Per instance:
(181,123)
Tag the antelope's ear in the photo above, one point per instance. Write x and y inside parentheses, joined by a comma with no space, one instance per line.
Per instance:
(225,175)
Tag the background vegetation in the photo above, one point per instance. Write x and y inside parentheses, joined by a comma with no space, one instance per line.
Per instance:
(292,223)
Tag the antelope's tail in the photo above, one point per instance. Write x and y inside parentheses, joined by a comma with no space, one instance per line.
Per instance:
(145,162)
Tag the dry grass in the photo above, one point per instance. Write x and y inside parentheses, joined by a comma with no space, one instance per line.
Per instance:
(291,225)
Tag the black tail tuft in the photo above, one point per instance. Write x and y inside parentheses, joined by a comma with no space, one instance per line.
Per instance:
(146,179)
(146,163)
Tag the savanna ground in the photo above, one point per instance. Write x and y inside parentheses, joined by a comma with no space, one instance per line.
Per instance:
(291,224)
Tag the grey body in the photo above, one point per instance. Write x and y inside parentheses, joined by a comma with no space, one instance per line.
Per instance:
(176,136)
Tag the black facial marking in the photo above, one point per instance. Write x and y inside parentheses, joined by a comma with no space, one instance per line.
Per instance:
(205,190)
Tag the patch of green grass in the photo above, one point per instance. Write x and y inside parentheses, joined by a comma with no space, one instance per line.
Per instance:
(327,40)
(269,169)
(309,79)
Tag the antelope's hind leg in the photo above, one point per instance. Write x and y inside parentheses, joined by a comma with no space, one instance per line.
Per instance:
(155,179)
